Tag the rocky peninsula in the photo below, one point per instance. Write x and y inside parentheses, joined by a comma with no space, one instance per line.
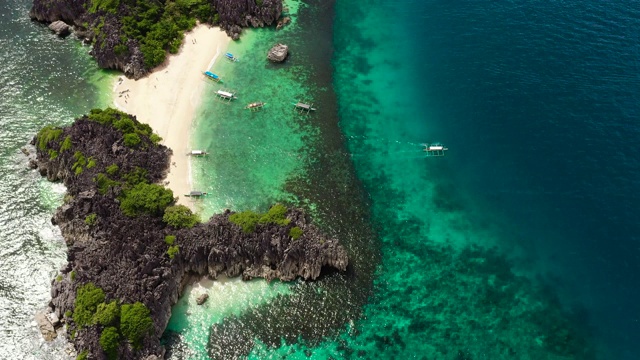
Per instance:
(135,35)
(131,250)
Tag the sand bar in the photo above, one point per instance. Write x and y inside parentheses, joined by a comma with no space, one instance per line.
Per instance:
(167,99)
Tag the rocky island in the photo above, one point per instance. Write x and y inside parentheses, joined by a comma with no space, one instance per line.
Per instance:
(135,35)
(131,250)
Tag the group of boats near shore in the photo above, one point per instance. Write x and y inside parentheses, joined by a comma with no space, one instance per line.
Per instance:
(227,95)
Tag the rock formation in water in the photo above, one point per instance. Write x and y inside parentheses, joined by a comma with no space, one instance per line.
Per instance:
(101,159)
(278,53)
(120,36)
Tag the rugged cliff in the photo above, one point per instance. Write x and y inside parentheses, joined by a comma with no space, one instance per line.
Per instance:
(133,35)
(128,257)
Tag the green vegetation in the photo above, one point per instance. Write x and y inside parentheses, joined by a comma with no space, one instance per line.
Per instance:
(103,183)
(91,163)
(170,239)
(248,220)
(52,154)
(85,306)
(107,314)
(173,251)
(72,275)
(109,340)
(67,313)
(180,216)
(66,144)
(275,215)
(131,140)
(135,322)
(144,198)
(136,176)
(83,355)
(295,233)
(46,135)
(67,198)
(104,5)
(112,169)
(80,163)
(155,138)
(59,278)
(91,219)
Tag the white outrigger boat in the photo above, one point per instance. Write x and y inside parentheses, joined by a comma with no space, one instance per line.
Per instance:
(226,95)
(197,153)
(435,149)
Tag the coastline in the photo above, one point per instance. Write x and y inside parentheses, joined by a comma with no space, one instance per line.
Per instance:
(168,97)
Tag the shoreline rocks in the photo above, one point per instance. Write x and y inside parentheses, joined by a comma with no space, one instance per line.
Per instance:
(60,28)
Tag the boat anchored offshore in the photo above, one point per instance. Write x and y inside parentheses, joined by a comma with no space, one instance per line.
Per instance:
(435,149)
(212,76)
(196,194)
(198,153)
(226,95)
(256,106)
(303,108)
(230,57)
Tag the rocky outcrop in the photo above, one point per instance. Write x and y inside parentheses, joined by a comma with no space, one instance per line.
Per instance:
(202,299)
(278,53)
(104,29)
(45,326)
(282,22)
(60,28)
(128,257)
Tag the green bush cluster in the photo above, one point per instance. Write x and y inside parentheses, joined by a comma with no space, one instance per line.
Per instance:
(72,275)
(170,239)
(180,216)
(87,299)
(132,131)
(136,176)
(91,219)
(103,183)
(83,355)
(109,341)
(46,135)
(144,198)
(107,314)
(173,250)
(80,163)
(52,154)
(66,144)
(295,233)
(112,169)
(104,5)
(135,322)
(248,220)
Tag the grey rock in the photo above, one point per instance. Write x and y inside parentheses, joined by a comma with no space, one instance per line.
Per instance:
(45,326)
(202,299)
(278,53)
(60,28)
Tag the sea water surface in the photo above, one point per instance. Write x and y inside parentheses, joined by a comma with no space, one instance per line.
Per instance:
(521,243)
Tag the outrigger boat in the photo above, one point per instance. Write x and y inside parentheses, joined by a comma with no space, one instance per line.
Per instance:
(435,149)
(213,76)
(196,194)
(303,108)
(226,95)
(256,106)
(198,153)
(231,57)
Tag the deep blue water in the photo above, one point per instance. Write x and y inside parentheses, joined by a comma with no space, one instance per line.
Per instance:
(539,103)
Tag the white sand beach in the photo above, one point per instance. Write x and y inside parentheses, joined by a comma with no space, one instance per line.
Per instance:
(168,97)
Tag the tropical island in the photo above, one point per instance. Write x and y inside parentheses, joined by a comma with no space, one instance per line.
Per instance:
(135,35)
(131,249)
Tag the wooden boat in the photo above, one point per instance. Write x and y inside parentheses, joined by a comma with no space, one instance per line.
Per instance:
(230,57)
(256,106)
(226,95)
(198,153)
(303,108)
(435,149)
(212,76)
(196,194)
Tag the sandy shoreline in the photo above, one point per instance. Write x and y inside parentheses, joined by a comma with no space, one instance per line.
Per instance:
(168,97)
